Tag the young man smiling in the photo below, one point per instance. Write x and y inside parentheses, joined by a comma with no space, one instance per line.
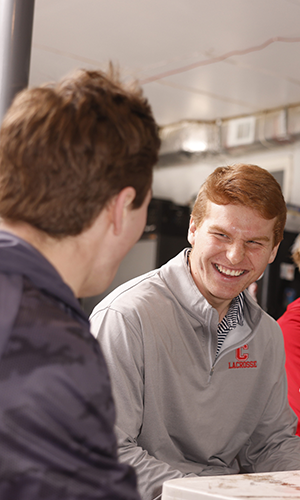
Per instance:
(197,366)
(231,249)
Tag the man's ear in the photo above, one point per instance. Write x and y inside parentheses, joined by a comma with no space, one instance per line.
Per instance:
(192,231)
(273,254)
(120,206)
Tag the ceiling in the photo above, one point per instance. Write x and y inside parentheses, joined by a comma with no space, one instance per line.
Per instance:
(196,59)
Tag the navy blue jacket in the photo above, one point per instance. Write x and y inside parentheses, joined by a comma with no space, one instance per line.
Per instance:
(56,408)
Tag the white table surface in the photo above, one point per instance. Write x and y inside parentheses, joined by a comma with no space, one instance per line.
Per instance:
(267,485)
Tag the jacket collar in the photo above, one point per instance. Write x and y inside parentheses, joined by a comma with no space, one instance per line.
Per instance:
(19,257)
(177,275)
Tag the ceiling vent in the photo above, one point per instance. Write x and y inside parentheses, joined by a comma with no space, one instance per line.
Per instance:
(241,131)
(195,139)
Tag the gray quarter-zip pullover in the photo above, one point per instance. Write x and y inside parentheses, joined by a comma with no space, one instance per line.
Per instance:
(180,409)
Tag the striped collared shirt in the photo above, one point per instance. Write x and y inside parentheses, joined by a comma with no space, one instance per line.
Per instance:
(233,318)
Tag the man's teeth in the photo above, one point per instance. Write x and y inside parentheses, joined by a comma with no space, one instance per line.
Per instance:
(228,272)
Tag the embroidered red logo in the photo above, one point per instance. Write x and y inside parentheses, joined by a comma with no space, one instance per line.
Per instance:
(242,358)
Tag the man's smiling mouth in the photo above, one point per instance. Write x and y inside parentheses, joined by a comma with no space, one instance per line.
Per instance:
(228,272)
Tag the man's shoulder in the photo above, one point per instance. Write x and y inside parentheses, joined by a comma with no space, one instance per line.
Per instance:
(157,279)
(148,294)
(41,307)
(261,322)
(48,346)
(48,327)
(132,290)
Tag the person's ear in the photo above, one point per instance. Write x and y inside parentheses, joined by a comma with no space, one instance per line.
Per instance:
(192,231)
(120,206)
(273,254)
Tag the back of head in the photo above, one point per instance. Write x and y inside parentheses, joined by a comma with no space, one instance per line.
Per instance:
(247,185)
(66,149)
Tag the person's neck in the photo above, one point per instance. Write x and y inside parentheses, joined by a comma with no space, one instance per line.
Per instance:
(220,305)
(222,311)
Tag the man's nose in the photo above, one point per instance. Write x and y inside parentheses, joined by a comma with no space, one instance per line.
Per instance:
(235,253)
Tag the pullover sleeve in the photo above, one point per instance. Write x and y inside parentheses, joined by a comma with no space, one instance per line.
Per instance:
(122,345)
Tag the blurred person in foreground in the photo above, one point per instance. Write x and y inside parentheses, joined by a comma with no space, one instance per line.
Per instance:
(197,367)
(290,326)
(76,161)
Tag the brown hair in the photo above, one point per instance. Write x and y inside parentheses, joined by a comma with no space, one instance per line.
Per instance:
(247,185)
(66,149)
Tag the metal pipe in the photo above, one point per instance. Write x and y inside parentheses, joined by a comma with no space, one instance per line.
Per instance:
(16,22)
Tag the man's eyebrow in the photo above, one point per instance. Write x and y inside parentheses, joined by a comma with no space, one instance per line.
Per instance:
(223,231)
(260,238)
(218,228)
